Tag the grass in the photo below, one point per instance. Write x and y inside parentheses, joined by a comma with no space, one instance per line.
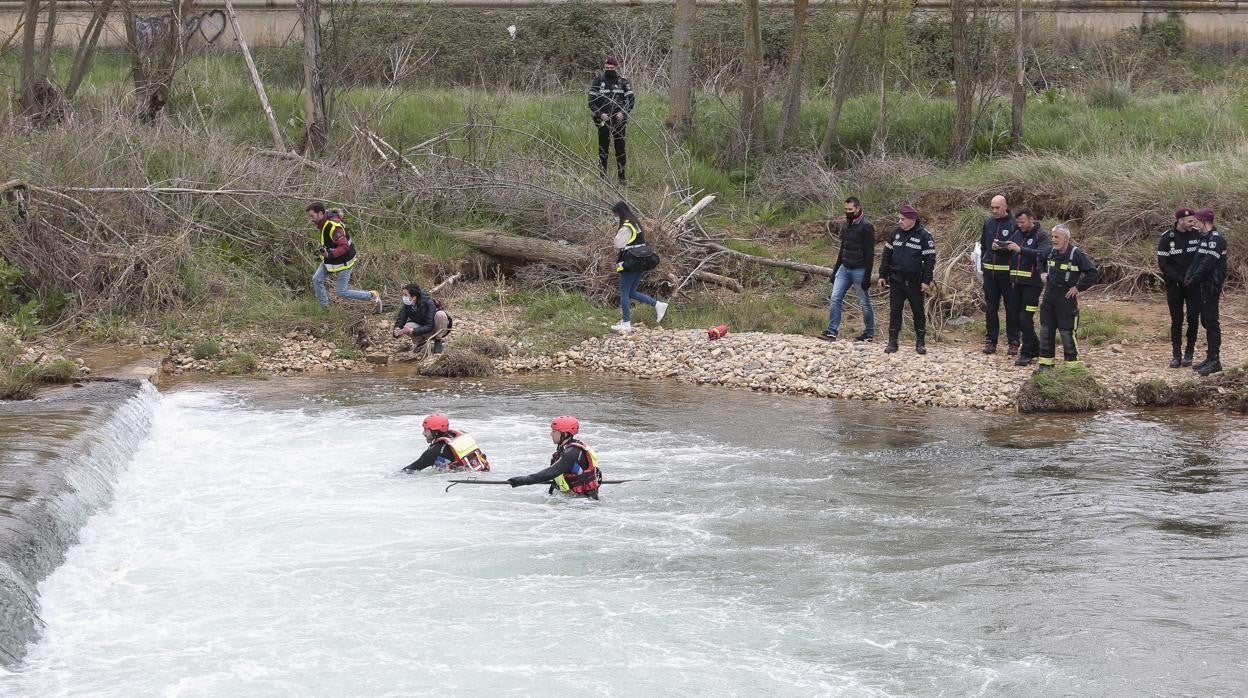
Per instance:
(1154,392)
(238,364)
(1066,388)
(485,346)
(204,349)
(457,362)
(1098,327)
(750,313)
(551,321)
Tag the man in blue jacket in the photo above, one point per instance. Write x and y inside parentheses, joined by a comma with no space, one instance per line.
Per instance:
(420,319)
(999,231)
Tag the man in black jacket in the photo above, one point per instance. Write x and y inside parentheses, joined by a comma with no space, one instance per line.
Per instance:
(1070,271)
(420,319)
(1031,251)
(853,268)
(1176,252)
(906,271)
(999,230)
(1208,274)
(611,100)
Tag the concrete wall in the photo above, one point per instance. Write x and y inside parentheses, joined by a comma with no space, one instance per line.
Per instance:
(274,22)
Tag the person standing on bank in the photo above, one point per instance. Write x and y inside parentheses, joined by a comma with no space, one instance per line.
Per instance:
(853,268)
(337,254)
(630,237)
(906,268)
(1208,274)
(998,231)
(611,100)
(1070,271)
(1030,252)
(1176,253)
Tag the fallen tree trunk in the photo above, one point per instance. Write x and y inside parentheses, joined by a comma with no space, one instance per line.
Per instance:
(497,244)
(718,279)
(767,261)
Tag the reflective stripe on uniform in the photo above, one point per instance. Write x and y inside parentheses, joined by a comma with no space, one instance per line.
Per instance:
(996,267)
(1031,308)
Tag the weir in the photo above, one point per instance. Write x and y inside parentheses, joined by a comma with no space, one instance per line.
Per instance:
(59,458)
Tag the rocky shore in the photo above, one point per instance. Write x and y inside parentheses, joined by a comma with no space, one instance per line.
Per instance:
(949,375)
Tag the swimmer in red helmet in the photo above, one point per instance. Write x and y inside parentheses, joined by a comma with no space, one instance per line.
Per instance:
(573,467)
(449,449)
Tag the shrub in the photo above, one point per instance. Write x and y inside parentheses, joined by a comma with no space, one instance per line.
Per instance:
(57,371)
(1066,388)
(485,346)
(206,349)
(13,387)
(460,363)
(238,364)
(1104,94)
(1153,392)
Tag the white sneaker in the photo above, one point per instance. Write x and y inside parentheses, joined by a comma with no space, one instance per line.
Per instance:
(622,326)
(660,309)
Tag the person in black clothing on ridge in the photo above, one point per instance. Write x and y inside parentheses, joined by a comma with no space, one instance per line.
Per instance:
(906,271)
(1177,250)
(420,319)
(853,268)
(611,100)
(1208,274)
(573,467)
(1031,253)
(999,230)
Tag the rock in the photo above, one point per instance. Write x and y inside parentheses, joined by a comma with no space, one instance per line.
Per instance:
(326,354)
(1116,348)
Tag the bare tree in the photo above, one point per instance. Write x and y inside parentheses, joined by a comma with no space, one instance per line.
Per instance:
(964,82)
(41,99)
(154,62)
(791,112)
(316,125)
(680,86)
(840,81)
(751,133)
(85,53)
(881,115)
(1019,101)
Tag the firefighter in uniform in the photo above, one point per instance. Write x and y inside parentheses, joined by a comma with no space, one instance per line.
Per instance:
(611,100)
(906,271)
(1176,252)
(999,230)
(1030,252)
(573,467)
(1070,272)
(449,449)
(337,254)
(1208,274)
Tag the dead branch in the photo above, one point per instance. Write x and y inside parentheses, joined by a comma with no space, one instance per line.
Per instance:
(769,262)
(718,280)
(693,212)
(497,244)
(296,157)
(278,142)
(446,283)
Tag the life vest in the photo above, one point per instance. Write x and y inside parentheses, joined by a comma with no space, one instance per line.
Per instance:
(346,260)
(467,455)
(582,482)
(637,239)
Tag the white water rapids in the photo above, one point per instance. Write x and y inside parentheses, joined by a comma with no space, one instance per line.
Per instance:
(259,544)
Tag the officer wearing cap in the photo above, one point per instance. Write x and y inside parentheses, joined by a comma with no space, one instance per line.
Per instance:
(1176,251)
(906,271)
(1208,274)
(611,100)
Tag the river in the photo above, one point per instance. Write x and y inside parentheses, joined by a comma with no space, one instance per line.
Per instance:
(258,542)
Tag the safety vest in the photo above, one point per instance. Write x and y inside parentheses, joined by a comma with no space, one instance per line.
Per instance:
(1064,265)
(581,482)
(634,240)
(467,455)
(345,261)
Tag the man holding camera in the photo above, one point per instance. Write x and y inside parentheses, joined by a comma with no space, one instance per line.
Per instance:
(337,254)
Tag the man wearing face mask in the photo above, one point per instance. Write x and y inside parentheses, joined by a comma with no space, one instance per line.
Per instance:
(611,100)
(421,319)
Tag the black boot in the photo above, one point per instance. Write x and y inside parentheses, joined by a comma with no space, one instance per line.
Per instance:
(1177,361)
(1188,354)
(1212,366)
(1202,364)
(1022,360)
(892,346)
(919,346)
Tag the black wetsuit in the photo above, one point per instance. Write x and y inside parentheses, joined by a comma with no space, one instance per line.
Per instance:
(436,450)
(565,459)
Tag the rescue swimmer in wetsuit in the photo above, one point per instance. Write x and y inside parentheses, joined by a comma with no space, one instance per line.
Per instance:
(573,467)
(449,449)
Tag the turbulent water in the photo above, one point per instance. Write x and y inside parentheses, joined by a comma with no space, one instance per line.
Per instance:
(259,543)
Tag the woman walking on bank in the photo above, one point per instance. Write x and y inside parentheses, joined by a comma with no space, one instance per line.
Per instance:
(633,259)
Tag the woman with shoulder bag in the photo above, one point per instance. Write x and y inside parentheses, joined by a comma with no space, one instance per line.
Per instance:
(633,259)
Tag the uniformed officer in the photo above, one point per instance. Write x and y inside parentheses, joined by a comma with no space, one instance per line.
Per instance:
(1176,251)
(998,231)
(611,100)
(1031,249)
(1208,274)
(1070,272)
(906,271)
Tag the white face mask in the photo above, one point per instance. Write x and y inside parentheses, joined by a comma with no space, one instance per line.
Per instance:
(407,300)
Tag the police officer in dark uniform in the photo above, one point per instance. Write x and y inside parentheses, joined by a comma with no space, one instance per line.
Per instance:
(1031,249)
(1070,272)
(611,100)
(1176,252)
(1208,274)
(999,230)
(906,271)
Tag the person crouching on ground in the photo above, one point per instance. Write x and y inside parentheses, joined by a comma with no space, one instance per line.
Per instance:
(338,256)
(573,467)
(449,449)
(630,236)
(420,319)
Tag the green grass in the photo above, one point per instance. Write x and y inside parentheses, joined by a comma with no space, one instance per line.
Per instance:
(551,321)
(1098,327)
(1065,388)
(206,349)
(238,364)
(750,313)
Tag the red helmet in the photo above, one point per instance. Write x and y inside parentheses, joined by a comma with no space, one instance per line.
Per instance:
(437,422)
(566,424)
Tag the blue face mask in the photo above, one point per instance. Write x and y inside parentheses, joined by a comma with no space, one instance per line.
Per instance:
(407,300)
